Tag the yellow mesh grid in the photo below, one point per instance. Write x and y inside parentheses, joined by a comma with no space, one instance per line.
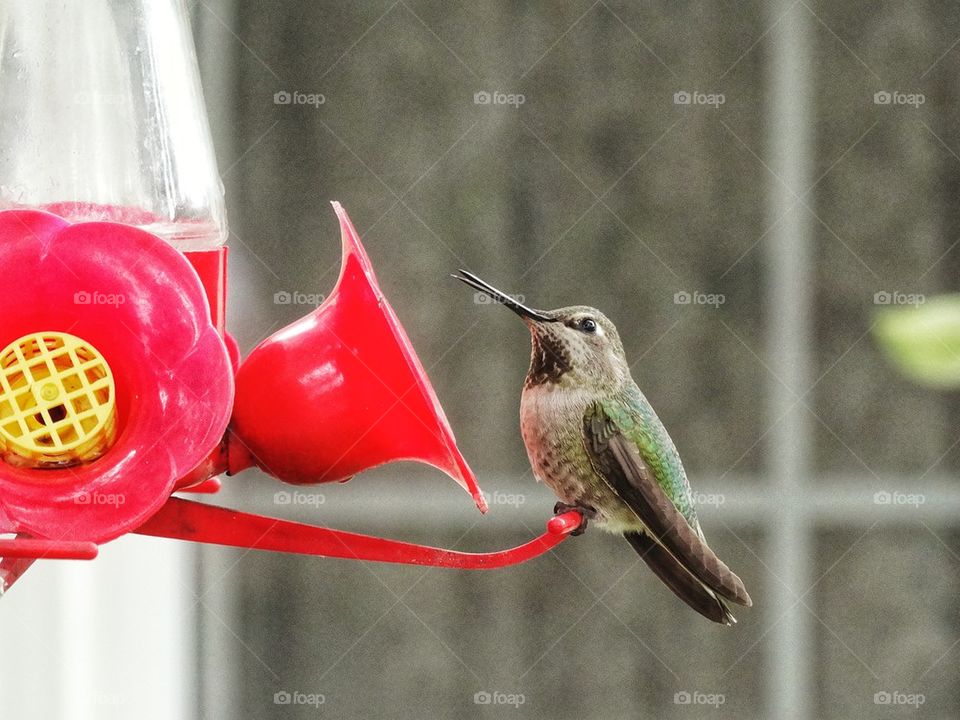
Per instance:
(57,401)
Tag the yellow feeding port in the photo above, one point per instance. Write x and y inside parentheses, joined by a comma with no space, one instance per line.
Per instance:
(57,401)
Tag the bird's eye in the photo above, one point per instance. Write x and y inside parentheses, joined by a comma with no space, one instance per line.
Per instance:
(588,325)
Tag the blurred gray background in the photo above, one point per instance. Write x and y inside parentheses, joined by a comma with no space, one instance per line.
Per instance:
(794,201)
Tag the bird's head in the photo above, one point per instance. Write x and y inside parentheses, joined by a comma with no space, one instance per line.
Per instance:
(575,346)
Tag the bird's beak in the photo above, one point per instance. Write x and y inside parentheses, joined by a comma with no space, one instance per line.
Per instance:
(519,308)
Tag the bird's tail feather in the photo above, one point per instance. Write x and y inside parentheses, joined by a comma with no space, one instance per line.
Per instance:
(684,585)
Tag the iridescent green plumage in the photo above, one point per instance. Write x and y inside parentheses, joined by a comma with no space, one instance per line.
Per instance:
(594,440)
(636,419)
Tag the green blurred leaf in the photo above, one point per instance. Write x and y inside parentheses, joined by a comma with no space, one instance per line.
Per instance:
(923,340)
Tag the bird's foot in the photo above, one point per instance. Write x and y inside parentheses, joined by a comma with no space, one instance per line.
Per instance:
(586,513)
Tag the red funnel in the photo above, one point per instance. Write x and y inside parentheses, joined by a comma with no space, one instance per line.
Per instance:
(341,391)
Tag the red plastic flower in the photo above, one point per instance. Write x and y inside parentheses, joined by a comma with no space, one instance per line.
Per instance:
(137,301)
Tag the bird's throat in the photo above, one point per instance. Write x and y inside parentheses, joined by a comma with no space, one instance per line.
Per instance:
(549,361)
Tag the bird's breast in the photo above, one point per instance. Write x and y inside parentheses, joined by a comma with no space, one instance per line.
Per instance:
(551,422)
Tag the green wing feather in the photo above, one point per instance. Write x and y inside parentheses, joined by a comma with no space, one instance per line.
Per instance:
(649,488)
(637,421)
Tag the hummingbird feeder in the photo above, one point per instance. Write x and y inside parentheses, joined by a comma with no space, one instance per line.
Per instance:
(119,386)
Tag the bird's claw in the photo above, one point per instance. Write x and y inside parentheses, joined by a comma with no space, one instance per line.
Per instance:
(586,513)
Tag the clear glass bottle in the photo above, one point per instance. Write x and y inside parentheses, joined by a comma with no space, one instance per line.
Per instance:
(102,117)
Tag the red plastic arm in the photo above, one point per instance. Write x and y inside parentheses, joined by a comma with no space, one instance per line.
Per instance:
(19,553)
(188,520)
(37,548)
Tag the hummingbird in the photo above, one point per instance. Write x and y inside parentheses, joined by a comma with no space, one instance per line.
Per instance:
(596,442)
